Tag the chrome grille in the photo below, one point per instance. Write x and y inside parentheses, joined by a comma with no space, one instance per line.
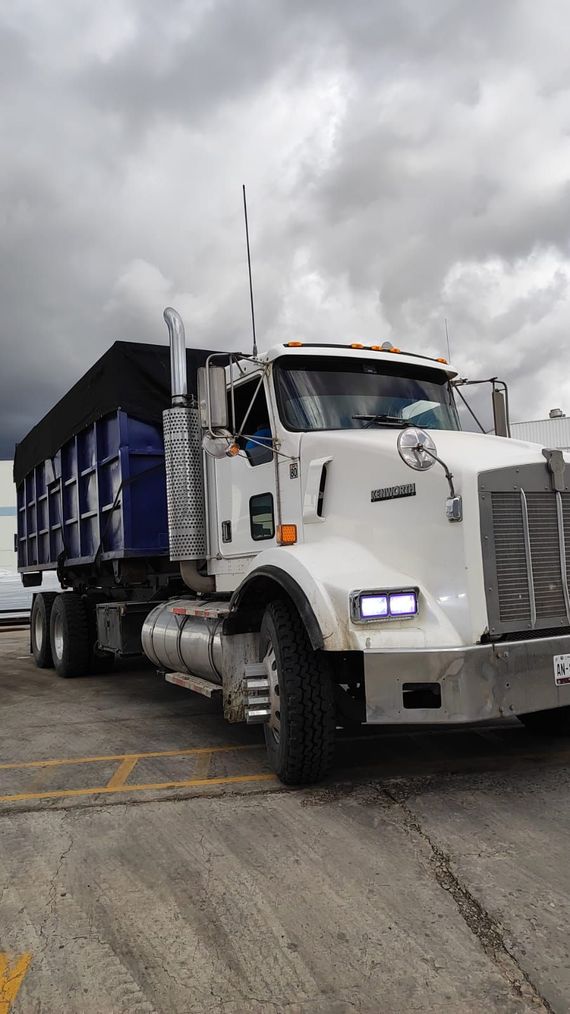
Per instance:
(508,531)
(525,527)
(545,552)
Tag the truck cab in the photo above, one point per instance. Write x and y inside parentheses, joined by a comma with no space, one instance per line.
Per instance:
(403,570)
(295,411)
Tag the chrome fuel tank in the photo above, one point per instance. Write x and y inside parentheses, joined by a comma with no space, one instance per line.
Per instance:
(184,635)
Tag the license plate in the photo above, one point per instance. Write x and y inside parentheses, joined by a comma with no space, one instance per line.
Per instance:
(561,669)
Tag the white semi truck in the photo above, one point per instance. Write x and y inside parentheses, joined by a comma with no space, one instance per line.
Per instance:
(346,554)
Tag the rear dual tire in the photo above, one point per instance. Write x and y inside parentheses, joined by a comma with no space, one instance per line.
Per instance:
(69,631)
(73,635)
(40,629)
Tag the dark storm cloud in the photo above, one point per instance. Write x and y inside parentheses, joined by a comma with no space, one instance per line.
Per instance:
(406,163)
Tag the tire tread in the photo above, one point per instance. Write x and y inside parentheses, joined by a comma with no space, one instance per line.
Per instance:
(303,676)
(76,653)
(43,658)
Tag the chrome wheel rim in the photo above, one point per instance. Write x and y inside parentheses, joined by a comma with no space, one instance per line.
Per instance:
(38,630)
(274,720)
(57,639)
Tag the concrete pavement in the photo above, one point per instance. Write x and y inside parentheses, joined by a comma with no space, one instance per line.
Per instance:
(429,873)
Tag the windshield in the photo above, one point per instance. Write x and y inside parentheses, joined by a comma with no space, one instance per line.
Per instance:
(318,393)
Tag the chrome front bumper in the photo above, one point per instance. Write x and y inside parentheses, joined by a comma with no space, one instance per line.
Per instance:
(476,683)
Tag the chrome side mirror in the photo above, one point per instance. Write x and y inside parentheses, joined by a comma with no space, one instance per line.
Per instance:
(212,398)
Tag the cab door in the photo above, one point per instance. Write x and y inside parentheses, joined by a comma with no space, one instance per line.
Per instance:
(245,484)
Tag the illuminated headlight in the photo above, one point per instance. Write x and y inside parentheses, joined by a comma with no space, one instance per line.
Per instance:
(399,604)
(413,447)
(403,604)
(372,606)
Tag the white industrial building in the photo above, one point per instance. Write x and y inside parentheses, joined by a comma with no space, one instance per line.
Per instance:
(7,518)
(12,594)
(553,432)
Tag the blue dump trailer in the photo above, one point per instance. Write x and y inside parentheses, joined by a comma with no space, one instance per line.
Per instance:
(90,477)
(100,498)
(91,494)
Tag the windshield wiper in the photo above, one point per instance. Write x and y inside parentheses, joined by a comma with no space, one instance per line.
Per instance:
(383,420)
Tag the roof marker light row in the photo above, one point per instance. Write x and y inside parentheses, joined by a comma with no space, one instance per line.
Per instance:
(385,347)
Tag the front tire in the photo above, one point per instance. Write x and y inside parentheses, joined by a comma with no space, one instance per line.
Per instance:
(300,731)
(40,629)
(70,643)
(555,722)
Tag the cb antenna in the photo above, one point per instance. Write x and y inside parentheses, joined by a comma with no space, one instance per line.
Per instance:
(447,339)
(249,270)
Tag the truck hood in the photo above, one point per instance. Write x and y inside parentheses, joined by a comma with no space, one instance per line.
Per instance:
(470,452)
(384,525)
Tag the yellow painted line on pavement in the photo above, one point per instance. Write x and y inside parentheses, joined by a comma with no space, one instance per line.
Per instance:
(13,765)
(12,972)
(136,787)
(122,773)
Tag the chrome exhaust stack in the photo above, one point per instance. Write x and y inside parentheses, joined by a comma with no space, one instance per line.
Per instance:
(178,371)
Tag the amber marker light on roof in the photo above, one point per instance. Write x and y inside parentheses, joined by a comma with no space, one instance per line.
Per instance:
(440,359)
(396,351)
(286,534)
(294,345)
(376,348)
(357,345)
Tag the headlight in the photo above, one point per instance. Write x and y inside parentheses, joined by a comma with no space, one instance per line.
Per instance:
(373,606)
(411,444)
(399,604)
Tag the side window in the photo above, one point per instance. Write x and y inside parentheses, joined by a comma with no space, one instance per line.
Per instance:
(256,437)
(261,517)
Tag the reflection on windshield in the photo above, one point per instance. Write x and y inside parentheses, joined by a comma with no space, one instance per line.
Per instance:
(315,393)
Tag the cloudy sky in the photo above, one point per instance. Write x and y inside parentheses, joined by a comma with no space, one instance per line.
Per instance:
(406,162)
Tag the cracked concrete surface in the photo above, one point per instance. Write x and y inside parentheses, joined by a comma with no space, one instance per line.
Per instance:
(487,930)
(429,891)
(293,902)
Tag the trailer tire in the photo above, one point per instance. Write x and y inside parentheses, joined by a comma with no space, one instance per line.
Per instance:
(40,636)
(70,635)
(555,722)
(300,732)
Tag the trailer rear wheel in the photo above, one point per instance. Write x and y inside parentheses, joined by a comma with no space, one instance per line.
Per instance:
(300,731)
(40,629)
(70,642)
(555,722)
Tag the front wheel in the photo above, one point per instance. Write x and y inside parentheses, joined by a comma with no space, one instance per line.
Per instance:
(299,733)
(555,722)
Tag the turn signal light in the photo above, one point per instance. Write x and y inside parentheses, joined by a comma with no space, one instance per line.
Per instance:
(232,450)
(286,534)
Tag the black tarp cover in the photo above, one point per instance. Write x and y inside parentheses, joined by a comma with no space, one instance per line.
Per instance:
(132,376)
